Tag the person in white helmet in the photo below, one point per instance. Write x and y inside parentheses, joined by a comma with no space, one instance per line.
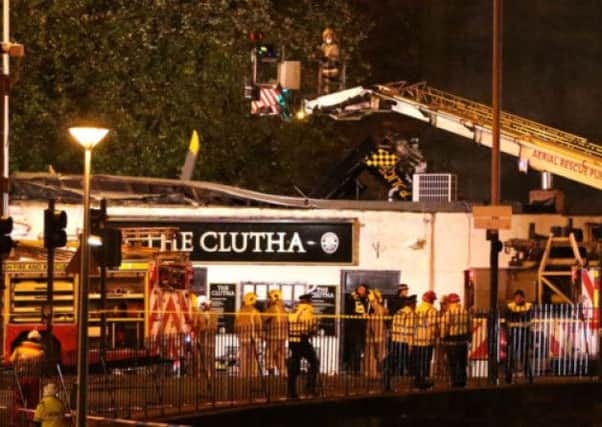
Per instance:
(329,62)
(27,358)
(204,325)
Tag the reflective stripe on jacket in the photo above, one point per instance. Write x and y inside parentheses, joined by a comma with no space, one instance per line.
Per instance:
(519,316)
(455,323)
(301,323)
(404,322)
(359,304)
(425,332)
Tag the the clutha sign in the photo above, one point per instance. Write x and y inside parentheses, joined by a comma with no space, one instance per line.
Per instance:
(264,241)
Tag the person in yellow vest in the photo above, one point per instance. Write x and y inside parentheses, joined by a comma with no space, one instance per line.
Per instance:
(455,335)
(329,62)
(519,313)
(276,333)
(302,326)
(50,412)
(425,335)
(28,359)
(440,352)
(247,325)
(375,334)
(204,325)
(400,344)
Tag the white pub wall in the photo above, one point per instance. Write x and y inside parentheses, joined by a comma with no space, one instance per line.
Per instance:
(430,250)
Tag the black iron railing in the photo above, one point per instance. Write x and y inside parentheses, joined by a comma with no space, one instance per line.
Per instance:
(259,361)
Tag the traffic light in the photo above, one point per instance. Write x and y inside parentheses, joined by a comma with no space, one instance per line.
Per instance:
(6,242)
(55,222)
(110,251)
(97,220)
(266,51)
(108,254)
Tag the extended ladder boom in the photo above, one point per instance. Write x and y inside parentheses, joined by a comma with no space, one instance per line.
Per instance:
(541,147)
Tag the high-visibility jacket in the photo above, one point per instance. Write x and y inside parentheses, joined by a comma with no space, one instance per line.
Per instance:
(301,323)
(455,323)
(359,306)
(27,356)
(50,412)
(425,332)
(247,323)
(376,323)
(330,60)
(404,322)
(276,322)
(204,321)
(519,316)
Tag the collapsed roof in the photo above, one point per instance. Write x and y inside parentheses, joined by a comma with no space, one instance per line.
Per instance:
(129,190)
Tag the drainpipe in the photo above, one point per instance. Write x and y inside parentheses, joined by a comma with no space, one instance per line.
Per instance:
(432,252)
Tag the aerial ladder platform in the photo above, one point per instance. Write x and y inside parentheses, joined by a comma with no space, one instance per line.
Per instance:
(538,146)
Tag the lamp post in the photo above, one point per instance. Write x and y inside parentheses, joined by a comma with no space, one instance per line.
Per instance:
(493,234)
(88,138)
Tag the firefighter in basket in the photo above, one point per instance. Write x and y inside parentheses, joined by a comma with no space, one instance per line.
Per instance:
(329,62)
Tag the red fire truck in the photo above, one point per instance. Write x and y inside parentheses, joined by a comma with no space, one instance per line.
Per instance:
(145,298)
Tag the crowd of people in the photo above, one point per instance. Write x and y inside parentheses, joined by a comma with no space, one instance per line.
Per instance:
(404,337)
(381,339)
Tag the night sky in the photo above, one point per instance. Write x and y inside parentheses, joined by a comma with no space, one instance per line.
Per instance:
(552,53)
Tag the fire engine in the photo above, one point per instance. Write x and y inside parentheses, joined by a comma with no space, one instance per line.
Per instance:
(562,265)
(147,297)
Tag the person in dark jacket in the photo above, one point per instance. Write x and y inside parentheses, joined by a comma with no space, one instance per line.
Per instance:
(518,316)
(400,299)
(356,304)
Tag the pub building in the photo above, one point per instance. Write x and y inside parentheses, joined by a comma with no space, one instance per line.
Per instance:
(241,241)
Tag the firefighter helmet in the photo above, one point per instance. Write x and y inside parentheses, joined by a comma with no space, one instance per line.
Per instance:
(203,301)
(49,390)
(34,335)
(328,32)
(249,298)
(429,296)
(275,295)
(453,298)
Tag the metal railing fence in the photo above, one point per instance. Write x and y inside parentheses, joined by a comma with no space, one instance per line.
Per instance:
(325,357)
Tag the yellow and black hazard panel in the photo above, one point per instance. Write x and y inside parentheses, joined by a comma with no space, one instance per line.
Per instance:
(382,158)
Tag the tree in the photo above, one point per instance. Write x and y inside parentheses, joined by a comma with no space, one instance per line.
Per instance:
(154,70)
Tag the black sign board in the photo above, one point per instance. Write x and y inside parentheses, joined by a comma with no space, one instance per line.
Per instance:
(274,241)
(223,300)
(324,302)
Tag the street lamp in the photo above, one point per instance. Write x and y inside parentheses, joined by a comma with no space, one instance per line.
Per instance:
(87,137)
